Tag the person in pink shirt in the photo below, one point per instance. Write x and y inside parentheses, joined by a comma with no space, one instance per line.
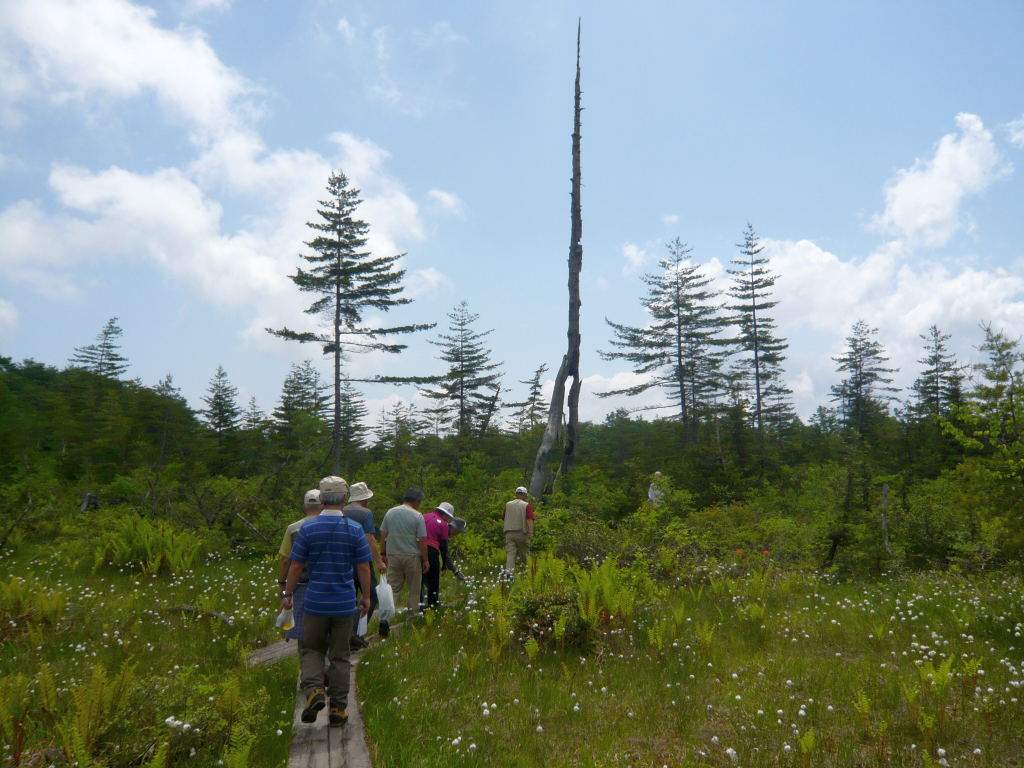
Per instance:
(437,532)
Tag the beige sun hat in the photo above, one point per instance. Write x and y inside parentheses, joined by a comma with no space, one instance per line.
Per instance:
(447,508)
(359,492)
(312,497)
(333,484)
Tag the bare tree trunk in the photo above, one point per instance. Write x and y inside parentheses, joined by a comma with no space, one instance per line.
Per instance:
(571,361)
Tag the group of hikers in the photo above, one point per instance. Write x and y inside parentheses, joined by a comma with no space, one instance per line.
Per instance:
(329,562)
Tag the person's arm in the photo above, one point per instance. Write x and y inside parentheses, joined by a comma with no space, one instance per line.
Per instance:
(446,561)
(529,528)
(529,520)
(285,563)
(422,541)
(363,569)
(382,567)
(384,547)
(294,571)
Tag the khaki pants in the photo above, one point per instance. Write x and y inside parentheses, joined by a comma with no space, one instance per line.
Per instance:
(326,636)
(517,544)
(406,570)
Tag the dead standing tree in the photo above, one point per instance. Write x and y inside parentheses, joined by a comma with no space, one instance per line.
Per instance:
(571,361)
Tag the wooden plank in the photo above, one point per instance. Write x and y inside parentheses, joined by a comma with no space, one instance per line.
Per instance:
(274,652)
(310,747)
(349,749)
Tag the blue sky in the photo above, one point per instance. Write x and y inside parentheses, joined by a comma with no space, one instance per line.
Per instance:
(158,163)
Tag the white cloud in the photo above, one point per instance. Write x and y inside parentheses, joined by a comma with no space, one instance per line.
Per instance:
(670,218)
(1016,131)
(427,283)
(447,202)
(8,318)
(348,32)
(819,293)
(89,50)
(922,204)
(635,257)
(171,216)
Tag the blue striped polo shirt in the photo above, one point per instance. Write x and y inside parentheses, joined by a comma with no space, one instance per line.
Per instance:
(331,545)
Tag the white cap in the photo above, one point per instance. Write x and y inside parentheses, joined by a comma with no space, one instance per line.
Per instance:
(447,508)
(311,498)
(333,484)
(520,489)
(359,492)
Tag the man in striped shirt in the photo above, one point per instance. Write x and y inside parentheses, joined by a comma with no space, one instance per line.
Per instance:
(333,548)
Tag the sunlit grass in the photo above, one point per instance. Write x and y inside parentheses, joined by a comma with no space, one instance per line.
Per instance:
(789,671)
(185,640)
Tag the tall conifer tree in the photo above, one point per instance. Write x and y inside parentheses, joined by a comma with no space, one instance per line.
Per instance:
(349,281)
(679,346)
(222,412)
(761,351)
(866,387)
(103,358)
(468,392)
(940,385)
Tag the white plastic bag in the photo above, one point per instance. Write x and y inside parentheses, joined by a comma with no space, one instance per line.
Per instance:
(286,619)
(361,626)
(385,600)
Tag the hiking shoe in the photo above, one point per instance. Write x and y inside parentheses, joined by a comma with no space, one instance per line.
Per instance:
(357,643)
(385,629)
(337,716)
(317,700)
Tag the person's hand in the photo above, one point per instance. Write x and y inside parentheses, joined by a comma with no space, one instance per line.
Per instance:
(426,566)
(287,603)
(364,605)
(382,566)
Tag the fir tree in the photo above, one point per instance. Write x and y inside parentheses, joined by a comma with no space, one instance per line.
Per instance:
(761,360)
(940,385)
(222,412)
(353,425)
(465,392)
(866,387)
(349,281)
(254,419)
(303,392)
(534,409)
(397,429)
(997,396)
(679,347)
(103,357)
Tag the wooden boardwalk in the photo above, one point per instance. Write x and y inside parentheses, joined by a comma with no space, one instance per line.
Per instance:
(317,745)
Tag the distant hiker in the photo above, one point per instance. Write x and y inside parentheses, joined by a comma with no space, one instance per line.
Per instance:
(334,549)
(518,517)
(358,497)
(403,548)
(436,524)
(654,494)
(311,504)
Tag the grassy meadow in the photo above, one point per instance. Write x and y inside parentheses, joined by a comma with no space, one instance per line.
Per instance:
(727,666)
(109,666)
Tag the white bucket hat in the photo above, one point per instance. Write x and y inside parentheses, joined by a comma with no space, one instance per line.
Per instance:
(359,492)
(447,508)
